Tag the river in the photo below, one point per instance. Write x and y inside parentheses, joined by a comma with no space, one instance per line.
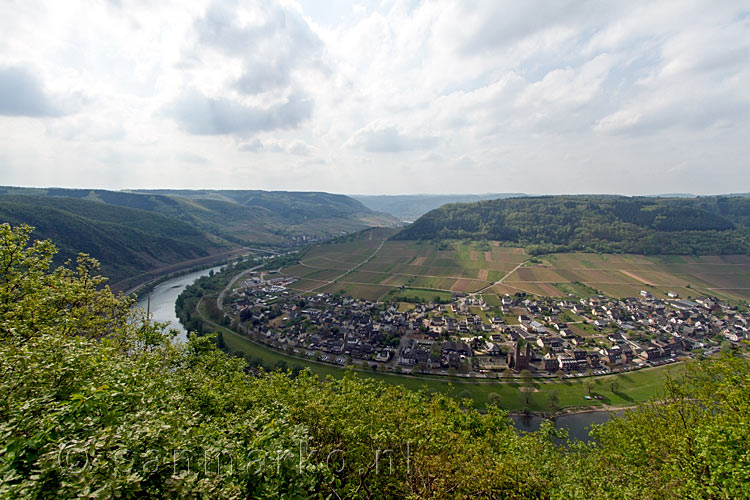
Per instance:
(164,296)
(578,424)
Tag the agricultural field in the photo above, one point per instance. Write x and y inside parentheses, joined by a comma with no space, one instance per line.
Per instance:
(369,265)
(726,277)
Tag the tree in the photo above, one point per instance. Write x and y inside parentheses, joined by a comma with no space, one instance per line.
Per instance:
(464,396)
(526,391)
(614,385)
(554,399)
(589,386)
(687,438)
(493,399)
(281,365)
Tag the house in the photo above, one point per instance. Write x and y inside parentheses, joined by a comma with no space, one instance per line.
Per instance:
(553,343)
(493,349)
(566,364)
(550,363)
(593,360)
(651,353)
(536,327)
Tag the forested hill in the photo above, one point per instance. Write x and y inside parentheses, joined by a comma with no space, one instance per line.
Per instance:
(127,241)
(293,206)
(240,216)
(704,225)
(410,207)
(132,233)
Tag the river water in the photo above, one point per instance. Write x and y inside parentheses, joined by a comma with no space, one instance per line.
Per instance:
(578,424)
(164,295)
(163,299)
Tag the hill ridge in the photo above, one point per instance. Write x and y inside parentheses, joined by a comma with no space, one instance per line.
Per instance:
(604,223)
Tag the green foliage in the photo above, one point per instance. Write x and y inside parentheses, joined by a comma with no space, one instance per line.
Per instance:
(97,402)
(692,444)
(710,225)
(129,241)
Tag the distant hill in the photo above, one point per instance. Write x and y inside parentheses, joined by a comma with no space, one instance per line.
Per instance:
(240,216)
(132,232)
(127,241)
(409,207)
(703,225)
(293,207)
(275,216)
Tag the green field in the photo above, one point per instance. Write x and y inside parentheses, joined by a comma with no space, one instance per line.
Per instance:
(725,276)
(362,267)
(633,387)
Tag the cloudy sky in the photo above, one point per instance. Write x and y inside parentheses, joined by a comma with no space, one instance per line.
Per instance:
(377,97)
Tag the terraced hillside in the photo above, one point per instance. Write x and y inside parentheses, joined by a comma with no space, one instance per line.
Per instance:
(726,276)
(370,265)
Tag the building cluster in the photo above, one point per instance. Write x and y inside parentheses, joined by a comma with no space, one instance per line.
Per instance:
(546,336)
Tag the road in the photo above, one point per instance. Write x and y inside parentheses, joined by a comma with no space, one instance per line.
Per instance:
(220,298)
(156,274)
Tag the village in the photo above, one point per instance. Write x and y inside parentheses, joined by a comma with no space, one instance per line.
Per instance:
(533,337)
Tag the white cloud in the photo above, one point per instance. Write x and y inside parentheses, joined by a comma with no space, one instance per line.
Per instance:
(202,115)
(22,94)
(391,96)
(295,147)
(383,138)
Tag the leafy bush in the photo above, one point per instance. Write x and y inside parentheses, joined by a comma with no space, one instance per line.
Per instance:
(97,402)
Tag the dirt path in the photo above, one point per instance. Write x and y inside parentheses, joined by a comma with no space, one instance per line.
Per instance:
(368,259)
(500,281)
(636,277)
